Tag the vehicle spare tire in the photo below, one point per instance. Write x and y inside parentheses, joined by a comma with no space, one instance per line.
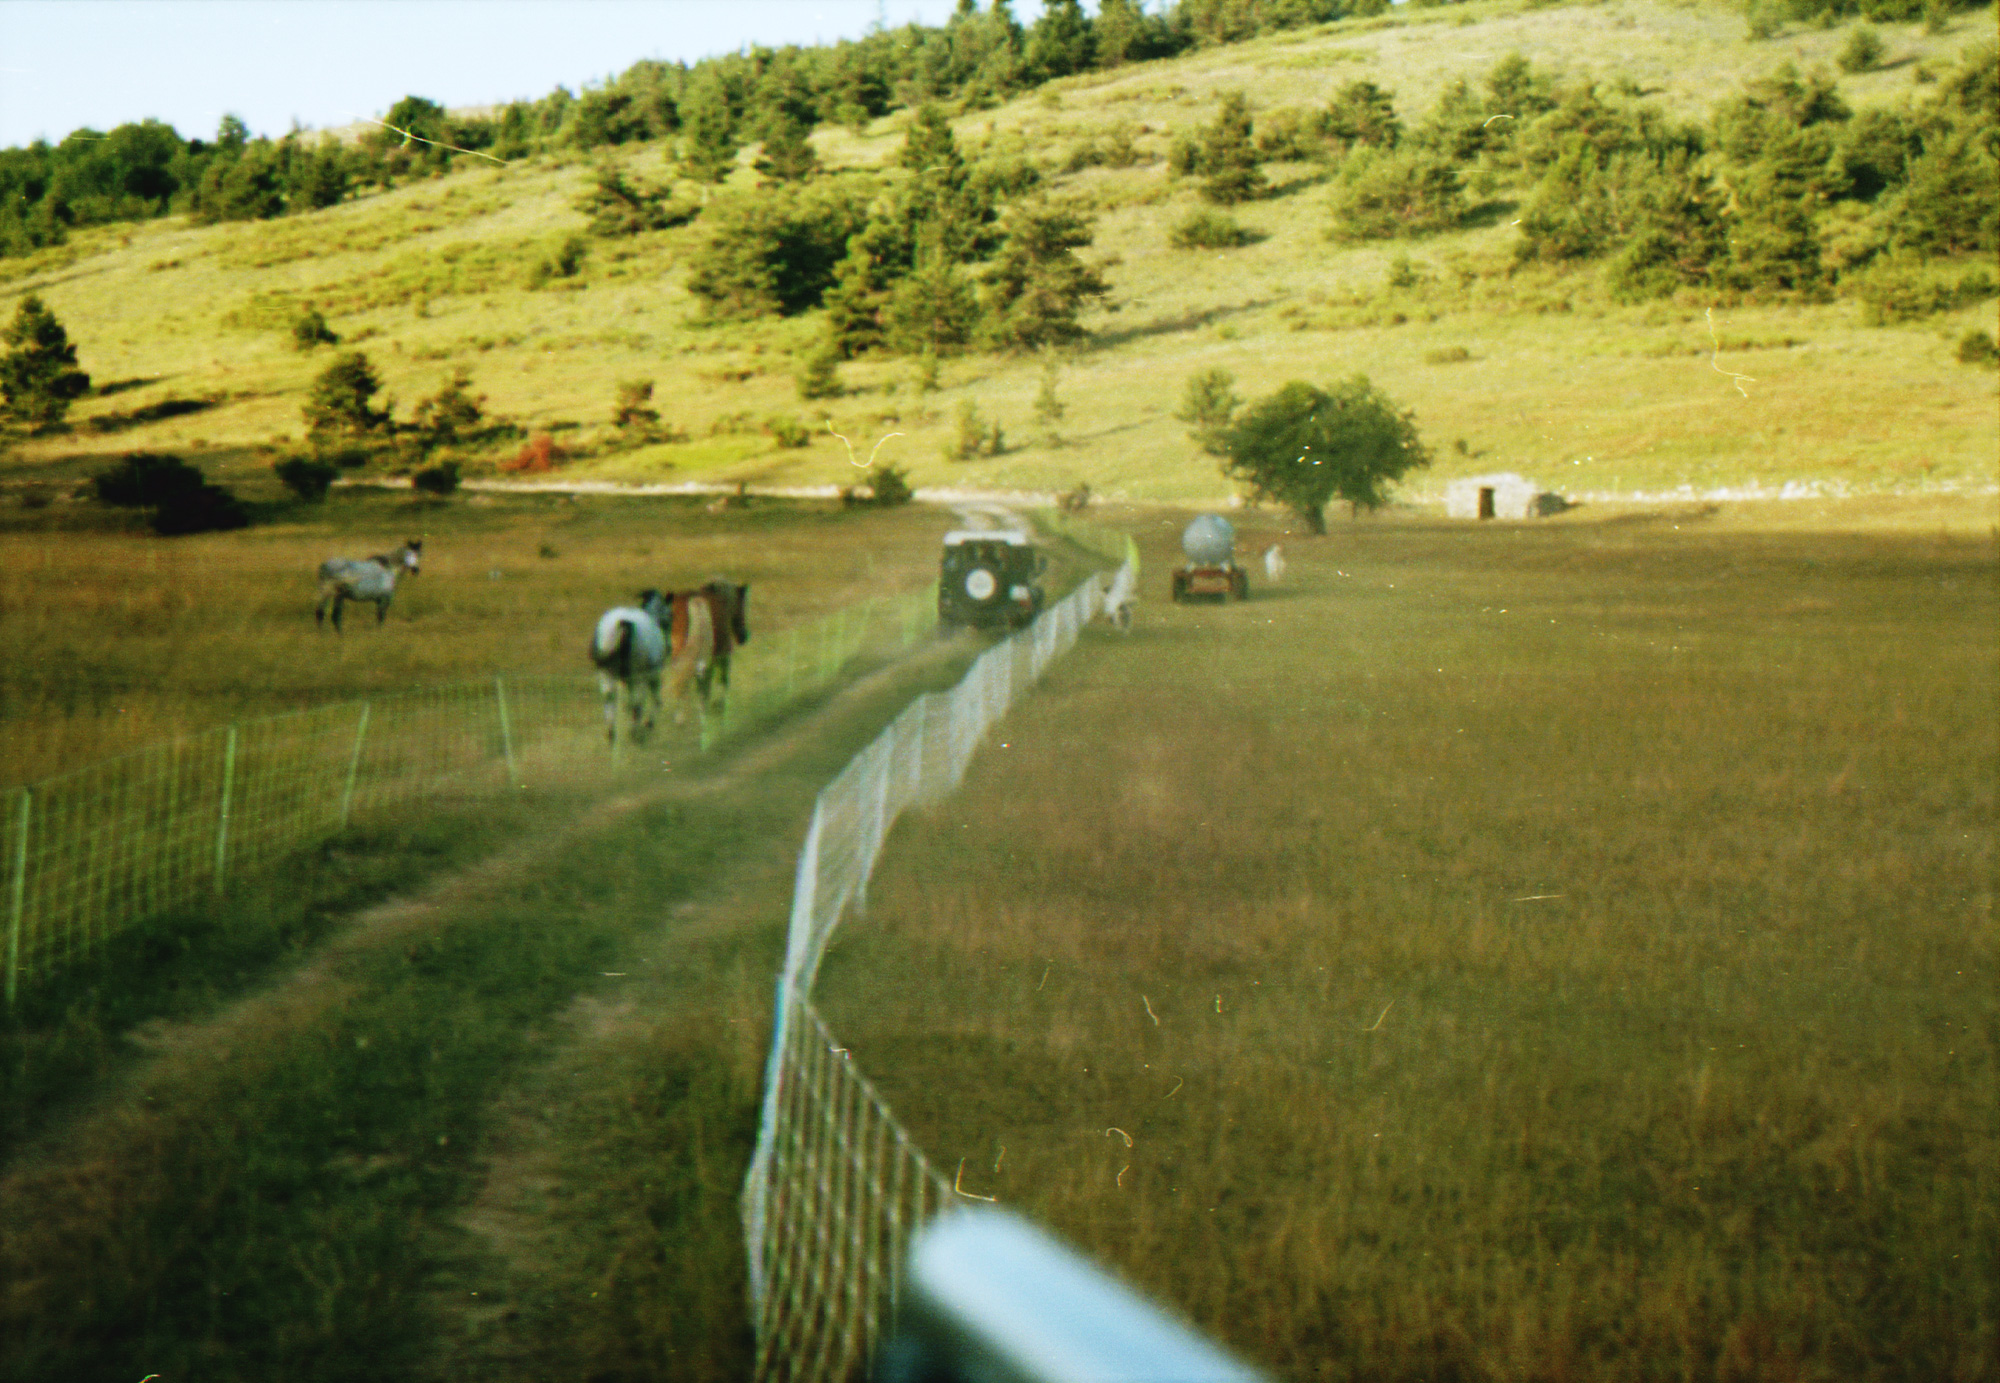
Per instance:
(982,583)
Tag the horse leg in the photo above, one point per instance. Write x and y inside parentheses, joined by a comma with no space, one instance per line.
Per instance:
(609,689)
(381,610)
(339,600)
(647,704)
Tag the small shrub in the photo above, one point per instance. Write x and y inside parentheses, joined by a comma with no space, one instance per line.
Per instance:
(1049,407)
(342,397)
(788,431)
(970,436)
(1208,405)
(181,499)
(210,509)
(1089,154)
(1121,151)
(306,478)
(1862,51)
(310,330)
(633,396)
(143,479)
(1447,355)
(539,455)
(1977,347)
(453,413)
(441,479)
(563,261)
(347,458)
(892,487)
(1900,291)
(818,376)
(1204,229)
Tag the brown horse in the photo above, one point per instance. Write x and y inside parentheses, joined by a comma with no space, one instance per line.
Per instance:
(706,626)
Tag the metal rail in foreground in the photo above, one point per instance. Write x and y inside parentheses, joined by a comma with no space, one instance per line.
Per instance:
(989,1298)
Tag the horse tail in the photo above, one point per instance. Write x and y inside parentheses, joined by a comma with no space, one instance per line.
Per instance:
(613,657)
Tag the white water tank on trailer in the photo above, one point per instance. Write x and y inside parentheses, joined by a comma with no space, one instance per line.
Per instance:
(1208,540)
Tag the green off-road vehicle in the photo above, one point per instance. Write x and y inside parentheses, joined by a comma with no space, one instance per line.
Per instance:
(989,577)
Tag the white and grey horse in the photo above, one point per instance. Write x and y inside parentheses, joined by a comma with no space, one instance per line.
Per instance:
(342,579)
(629,649)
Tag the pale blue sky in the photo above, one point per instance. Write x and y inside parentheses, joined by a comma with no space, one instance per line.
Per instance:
(69,64)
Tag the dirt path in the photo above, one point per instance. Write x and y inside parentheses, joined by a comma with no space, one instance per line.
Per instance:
(497,1255)
(506,1232)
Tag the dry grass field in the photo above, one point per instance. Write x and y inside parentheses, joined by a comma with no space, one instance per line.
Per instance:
(110,641)
(1515,951)
(1523,952)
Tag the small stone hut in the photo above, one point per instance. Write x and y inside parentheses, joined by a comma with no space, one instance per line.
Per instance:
(1502,496)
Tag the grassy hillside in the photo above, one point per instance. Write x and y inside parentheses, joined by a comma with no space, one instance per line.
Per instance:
(184,329)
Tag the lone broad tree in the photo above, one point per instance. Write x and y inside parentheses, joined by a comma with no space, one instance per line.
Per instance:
(38,375)
(1305,446)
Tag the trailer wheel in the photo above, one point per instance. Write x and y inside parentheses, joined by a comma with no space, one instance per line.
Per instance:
(1239,584)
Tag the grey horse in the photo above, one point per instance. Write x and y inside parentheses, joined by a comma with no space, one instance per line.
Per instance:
(629,650)
(342,579)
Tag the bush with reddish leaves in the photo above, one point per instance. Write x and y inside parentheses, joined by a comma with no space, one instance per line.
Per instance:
(540,454)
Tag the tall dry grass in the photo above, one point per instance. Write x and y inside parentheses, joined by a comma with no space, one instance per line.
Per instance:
(113,641)
(1516,952)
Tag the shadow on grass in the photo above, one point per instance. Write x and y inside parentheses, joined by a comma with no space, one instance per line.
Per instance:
(1488,214)
(119,386)
(1291,187)
(150,413)
(1168,326)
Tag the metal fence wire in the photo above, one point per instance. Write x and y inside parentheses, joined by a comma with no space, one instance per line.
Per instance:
(92,853)
(836,1187)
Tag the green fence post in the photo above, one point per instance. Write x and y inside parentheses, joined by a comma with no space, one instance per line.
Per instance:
(222,822)
(506,730)
(19,902)
(354,765)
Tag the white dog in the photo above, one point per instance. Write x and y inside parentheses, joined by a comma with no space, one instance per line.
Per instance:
(1119,599)
(1274,563)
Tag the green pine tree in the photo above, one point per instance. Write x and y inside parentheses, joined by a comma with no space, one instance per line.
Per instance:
(1036,285)
(708,132)
(787,155)
(1229,155)
(38,375)
(342,398)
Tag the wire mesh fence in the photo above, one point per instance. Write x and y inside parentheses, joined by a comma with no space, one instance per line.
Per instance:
(89,854)
(835,1186)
